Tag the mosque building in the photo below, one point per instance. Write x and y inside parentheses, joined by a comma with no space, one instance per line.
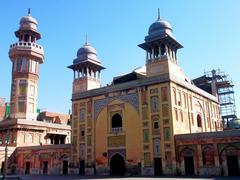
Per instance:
(151,121)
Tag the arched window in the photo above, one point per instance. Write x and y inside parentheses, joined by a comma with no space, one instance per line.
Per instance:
(116,121)
(208,156)
(26,38)
(199,121)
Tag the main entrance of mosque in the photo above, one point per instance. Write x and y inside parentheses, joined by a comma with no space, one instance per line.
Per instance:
(82,167)
(117,165)
(189,165)
(233,166)
(157,166)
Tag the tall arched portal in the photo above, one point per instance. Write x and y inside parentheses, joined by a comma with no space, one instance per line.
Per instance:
(117,165)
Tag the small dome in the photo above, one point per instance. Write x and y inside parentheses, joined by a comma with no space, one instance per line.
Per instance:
(159,26)
(28,22)
(85,50)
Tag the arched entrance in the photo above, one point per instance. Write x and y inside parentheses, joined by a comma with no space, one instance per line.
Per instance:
(117,165)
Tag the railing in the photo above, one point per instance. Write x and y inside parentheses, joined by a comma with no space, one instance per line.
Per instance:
(117,130)
(25,44)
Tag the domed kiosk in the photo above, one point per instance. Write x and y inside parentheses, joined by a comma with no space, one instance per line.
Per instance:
(87,68)
(160,45)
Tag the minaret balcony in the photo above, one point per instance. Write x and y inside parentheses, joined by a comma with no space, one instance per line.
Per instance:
(27,46)
(158,58)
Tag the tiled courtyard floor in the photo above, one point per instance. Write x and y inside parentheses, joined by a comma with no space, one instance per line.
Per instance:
(123,178)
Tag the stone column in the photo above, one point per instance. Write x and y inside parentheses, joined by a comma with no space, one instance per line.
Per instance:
(175,52)
(82,72)
(166,50)
(199,162)
(152,53)
(216,156)
(160,51)
(87,71)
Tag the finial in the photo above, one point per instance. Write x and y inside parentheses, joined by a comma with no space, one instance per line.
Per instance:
(86,40)
(158,14)
(29,11)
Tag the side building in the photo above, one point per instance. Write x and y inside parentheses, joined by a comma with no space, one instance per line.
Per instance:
(129,127)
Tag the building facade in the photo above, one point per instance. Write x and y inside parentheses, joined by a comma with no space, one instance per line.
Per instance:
(129,127)
(2,108)
(29,138)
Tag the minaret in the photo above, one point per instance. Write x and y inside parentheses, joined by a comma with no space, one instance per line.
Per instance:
(161,49)
(87,69)
(26,55)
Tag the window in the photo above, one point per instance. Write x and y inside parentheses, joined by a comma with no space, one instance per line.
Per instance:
(154,104)
(82,133)
(156,150)
(116,121)
(82,114)
(24,65)
(179,98)
(155,125)
(145,135)
(164,94)
(19,65)
(21,106)
(31,108)
(32,90)
(167,134)
(199,121)
(22,87)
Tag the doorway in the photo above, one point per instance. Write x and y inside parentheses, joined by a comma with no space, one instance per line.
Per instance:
(65,167)
(117,165)
(233,166)
(45,167)
(157,166)
(82,167)
(189,165)
(27,168)
(2,168)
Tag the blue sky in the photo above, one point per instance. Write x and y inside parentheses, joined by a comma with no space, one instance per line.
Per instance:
(208,29)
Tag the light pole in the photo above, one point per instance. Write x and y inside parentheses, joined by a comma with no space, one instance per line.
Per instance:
(6,156)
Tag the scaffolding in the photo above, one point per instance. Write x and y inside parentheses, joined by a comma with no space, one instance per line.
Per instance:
(218,83)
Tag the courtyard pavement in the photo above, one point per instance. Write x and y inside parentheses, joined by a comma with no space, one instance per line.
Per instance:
(123,178)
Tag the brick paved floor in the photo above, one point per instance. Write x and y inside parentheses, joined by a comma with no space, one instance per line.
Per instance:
(123,178)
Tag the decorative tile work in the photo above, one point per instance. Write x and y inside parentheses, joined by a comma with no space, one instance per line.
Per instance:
(154,91)
(116,141)
(129,98)
(114,151)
